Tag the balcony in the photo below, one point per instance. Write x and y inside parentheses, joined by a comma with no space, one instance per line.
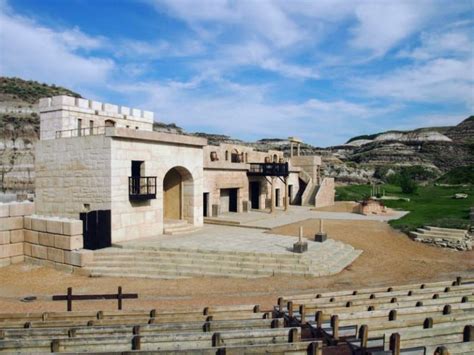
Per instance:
(141,188)
(268,169)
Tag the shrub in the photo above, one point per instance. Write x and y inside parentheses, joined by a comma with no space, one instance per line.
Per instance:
(407,183)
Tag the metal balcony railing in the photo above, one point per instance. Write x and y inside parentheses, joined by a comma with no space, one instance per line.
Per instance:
(268,169)
(141,188)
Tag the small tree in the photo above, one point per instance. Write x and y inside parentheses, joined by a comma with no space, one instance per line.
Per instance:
(407,183)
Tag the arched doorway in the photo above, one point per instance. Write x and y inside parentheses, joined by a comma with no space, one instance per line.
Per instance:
(109,123)
(178,191)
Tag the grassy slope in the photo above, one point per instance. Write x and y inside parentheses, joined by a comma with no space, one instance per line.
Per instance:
(430,205)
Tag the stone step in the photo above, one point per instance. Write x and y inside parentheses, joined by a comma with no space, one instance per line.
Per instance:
(444,229)
(441,233)
(212,256)
(429,236)
(170,223)
(197,264)
(161,271)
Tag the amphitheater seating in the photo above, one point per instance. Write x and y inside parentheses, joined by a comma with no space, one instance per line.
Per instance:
(431,318)
(419,318)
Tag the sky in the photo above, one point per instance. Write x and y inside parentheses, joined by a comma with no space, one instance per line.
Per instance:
(321,70)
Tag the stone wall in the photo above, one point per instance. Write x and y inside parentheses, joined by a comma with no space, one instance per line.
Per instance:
(73,175)
(61,113)
(131,220)
(50,241)
(326,193)
(311,164)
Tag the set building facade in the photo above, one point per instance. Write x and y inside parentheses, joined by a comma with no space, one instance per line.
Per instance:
(94,156)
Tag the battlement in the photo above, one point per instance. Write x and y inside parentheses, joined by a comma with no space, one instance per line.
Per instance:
(75,104)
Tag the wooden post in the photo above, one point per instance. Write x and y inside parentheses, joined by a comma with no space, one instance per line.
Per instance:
(395,344)
(428,323)
(447,309)
(302,314)
(289,307)
(318,318)
(55,346)
(315,348)
(272,196)
(71,333)
(69,299)
(256,308)
(119,298)
(294,335)
(136,342)
(392,315)
(216,339)
(363,336)
(335,326)
(280,304)
(468,334)
(458,280)
(441,350)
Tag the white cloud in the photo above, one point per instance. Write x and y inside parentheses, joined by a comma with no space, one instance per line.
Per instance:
(31,51)
(437,81)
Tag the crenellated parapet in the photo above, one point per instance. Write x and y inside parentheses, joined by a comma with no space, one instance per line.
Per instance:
(80,105)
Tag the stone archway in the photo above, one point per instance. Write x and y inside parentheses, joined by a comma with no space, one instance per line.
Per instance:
(178,192)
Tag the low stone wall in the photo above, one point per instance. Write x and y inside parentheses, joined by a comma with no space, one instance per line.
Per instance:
(44,240)
(12,232)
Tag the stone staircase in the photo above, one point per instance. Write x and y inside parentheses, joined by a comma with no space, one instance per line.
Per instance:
(174,263)
(444,237)
(173,227)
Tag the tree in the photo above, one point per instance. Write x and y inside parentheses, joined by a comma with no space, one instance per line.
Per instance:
(407,183)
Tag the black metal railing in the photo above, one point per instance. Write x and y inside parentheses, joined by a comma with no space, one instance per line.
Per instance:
(141,188)
(268,169)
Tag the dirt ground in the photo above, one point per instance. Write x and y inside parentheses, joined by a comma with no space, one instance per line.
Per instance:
(389,258)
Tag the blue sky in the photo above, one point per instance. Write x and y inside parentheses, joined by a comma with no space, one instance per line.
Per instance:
(323,70)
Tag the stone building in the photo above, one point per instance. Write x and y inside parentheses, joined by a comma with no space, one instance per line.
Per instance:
(94,156)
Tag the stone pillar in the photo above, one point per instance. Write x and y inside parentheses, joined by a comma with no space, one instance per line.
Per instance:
(291,149)
(298,149)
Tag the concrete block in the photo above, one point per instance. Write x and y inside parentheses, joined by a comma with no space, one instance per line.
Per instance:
(17,236)
(31,237)
(125,110)
(67,242)
(10,223)
(16,249)
(4,237)
(46,239)
(5,251)
(17,259)
(27,222)
(21,209)
(4,210)
(72,227)
(79,257)
(38,224)
(56,255)
(54,226)
(27,249)
(39,252)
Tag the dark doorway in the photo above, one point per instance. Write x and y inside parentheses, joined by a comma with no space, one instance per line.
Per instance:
(290,193)
(255,194)
(205,204)
(96,229)
(277,197)
(233,200)
(137,168)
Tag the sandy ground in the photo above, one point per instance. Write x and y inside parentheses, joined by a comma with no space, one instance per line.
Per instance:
(389,258)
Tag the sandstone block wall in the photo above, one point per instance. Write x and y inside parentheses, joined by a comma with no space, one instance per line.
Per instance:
(60,113)
(51,241)
(131,220)
(73,175)
(326,193)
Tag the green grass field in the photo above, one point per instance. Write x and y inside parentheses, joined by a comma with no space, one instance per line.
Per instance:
(430,205)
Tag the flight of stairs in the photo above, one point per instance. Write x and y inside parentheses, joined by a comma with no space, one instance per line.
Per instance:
(444,237)
(173,227)
(173,263)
